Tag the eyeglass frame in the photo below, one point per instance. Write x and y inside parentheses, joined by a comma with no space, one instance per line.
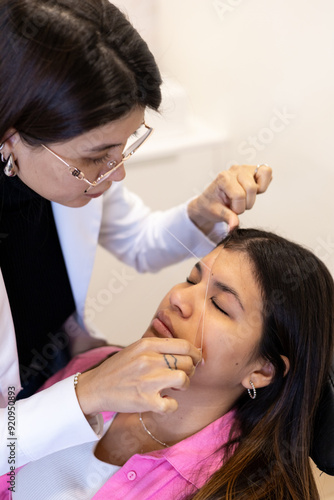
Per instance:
(78,174)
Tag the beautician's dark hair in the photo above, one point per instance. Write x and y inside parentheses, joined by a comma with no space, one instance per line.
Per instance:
(68,66)
(271,461)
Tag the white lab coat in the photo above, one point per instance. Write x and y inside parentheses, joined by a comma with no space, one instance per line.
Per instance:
(120,222)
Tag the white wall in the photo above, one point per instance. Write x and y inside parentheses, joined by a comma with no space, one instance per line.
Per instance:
(261,74)
(245,62)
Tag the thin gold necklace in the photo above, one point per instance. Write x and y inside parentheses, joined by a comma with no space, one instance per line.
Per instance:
(150,433)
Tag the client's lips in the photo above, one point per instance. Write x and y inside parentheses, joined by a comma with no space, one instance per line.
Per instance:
(162,325)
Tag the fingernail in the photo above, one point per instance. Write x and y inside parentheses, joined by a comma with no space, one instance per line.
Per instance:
(202,362)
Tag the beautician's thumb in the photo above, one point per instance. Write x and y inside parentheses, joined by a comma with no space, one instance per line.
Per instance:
(231,219)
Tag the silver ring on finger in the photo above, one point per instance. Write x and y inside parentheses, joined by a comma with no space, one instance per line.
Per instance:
(259,166)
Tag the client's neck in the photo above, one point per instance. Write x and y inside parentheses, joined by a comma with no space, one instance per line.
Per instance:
(197,409)
(129,435)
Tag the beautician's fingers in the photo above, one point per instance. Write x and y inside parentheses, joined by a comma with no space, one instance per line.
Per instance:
(263,177)
(252,179)
(230,194)
(133,379)
(183,363)
(179,347)
(167,405)
(244,183)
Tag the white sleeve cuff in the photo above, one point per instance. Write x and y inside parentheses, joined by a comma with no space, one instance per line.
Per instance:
(97,424)
(52,420)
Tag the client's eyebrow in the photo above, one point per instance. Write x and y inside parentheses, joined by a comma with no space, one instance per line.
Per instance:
(225,288)
(221,286)
(198,267)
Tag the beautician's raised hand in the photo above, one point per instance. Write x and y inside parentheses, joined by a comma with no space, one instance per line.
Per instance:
(229,195)
(132,380)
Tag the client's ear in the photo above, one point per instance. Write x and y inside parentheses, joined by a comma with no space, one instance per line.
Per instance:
(263,374)
(287,364)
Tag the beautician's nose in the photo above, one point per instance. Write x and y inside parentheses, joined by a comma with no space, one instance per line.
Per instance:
(182,300)
(119,174)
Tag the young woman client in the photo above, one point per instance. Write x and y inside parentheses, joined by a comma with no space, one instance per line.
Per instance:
(260,308)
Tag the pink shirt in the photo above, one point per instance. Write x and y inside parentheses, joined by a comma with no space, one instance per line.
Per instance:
(170,473)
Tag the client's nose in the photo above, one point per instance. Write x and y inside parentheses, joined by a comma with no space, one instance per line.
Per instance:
(180,299)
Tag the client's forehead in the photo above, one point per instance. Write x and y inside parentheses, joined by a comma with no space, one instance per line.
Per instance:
(235,270)
(220,256)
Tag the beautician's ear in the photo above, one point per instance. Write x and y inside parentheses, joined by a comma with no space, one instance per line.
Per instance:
(11,138)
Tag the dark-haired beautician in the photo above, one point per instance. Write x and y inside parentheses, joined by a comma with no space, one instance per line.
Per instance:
(75,79)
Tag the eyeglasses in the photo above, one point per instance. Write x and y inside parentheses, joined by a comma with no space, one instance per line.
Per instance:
(144,132)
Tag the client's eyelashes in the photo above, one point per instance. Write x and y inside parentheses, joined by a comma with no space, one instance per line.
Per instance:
(213,299)
(190,282)
(217,306)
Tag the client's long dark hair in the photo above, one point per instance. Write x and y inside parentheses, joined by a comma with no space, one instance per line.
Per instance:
(271,461)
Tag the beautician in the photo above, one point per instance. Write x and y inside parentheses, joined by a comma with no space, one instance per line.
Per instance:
(75,80)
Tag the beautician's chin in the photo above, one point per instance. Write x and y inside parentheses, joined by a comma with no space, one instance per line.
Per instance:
(77,203)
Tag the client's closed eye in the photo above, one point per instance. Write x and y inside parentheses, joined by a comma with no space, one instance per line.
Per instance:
(218,307)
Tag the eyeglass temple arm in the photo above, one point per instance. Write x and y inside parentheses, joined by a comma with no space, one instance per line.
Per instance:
(138,142)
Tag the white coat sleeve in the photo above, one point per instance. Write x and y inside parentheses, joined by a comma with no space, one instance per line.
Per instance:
(150,240)
(46,422)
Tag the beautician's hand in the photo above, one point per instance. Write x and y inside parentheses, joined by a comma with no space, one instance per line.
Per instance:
(230,194)
(132,379)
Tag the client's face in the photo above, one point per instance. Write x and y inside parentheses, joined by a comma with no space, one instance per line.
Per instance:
(219,309)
